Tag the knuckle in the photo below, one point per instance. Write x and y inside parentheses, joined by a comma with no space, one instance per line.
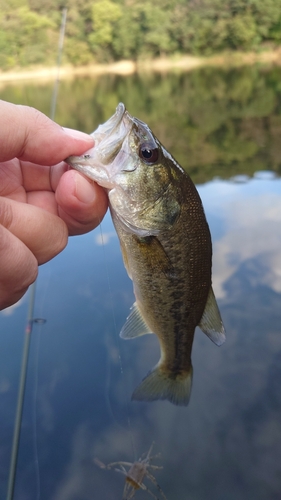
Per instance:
(39,122)
(6,213)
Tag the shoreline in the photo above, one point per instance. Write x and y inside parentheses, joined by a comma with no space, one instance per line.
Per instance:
(160,65)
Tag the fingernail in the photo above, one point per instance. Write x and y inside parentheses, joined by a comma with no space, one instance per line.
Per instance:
(85,191)
(76,134)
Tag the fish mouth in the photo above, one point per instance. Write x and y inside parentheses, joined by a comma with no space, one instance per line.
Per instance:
(109,138)
(111,126)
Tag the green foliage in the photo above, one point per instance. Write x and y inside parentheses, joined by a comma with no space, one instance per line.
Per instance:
(77,52)
(106,30)
(105,13)
(24,35)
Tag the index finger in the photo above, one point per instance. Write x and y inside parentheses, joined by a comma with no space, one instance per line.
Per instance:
(28,134)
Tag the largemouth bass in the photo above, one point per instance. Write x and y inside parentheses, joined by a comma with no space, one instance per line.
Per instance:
(166,246)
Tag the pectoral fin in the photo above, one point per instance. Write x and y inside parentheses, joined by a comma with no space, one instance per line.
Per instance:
(135,325)
(154,255)
(211,323)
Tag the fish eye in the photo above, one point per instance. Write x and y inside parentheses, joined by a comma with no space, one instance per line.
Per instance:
(148,153)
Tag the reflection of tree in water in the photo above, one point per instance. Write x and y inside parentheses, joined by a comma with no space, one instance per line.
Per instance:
(216,122)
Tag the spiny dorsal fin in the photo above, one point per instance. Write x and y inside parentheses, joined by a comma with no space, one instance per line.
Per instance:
(211,322)
(135,326)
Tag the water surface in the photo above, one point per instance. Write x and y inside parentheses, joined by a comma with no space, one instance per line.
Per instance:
(225,128)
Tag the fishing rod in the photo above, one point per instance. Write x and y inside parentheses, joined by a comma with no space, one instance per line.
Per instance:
(30,315)
(60,51)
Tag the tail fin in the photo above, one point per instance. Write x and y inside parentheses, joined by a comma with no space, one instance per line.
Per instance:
(158,384)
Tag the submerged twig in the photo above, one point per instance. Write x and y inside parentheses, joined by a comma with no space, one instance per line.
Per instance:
(135,474)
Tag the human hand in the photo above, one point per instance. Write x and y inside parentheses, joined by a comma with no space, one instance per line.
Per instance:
(41,200)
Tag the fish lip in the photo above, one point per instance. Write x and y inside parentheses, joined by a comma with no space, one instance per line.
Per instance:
(108,127)
(108,137)
(104,130)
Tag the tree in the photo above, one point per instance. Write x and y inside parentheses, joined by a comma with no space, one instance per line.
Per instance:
(105,13)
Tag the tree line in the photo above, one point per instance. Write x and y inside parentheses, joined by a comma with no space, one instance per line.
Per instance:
(110,30)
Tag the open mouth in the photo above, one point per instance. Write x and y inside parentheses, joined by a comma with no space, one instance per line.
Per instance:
(98,162)
(108,138)
(111,126)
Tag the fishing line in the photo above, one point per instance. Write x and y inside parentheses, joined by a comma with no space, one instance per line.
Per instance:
(30,316)
(60,51)
(129,423)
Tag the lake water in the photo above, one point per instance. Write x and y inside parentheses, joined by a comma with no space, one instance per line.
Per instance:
(224,127)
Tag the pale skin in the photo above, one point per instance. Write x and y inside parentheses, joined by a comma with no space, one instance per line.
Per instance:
(42,201)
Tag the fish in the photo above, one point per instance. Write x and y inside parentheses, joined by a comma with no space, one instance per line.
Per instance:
(166,247)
